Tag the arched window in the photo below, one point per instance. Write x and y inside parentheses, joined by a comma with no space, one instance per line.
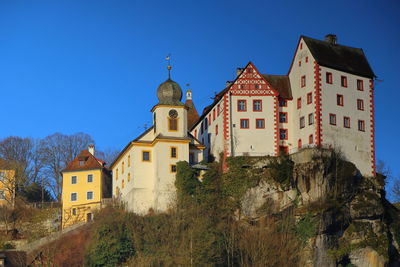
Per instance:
(173,124)
(129,160)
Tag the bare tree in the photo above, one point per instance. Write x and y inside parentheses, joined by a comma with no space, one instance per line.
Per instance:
(56,151)
(108,155)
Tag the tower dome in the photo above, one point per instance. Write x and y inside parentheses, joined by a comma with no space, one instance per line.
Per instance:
(169,93)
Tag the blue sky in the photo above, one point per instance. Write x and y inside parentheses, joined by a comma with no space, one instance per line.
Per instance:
(94,66)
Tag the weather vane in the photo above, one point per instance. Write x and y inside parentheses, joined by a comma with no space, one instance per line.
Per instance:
(168,58)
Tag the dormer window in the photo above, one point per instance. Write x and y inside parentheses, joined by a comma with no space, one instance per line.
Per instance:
(81,163)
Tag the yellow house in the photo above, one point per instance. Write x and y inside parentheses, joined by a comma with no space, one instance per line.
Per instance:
(86,182)
(7,183)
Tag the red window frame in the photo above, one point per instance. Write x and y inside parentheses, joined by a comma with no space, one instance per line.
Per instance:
(344,122)
(248,124)
(245,105)
(286,117)
(343,81)
(213,114)
(306,59)
(263,123)
(361,125)
(311,122)
(331,115)
(299,103)
(301,46)
(285,131)
(360,104)
(309,98)
(299,143)
(302,122)
(216,129)
(254,100)
(283,103)
(311,139)
(360,85)
(339,100)
(218,109)
(303,81)
(329,78)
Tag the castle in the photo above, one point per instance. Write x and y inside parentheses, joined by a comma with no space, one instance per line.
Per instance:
(325,100)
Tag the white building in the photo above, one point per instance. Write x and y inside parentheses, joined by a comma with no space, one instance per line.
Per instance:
(144,172)
(326,99)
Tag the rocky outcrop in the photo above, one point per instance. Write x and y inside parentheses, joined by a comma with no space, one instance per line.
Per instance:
(355,224)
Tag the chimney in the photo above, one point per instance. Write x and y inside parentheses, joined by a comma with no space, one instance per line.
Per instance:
(238,71)
(91,149)
(188,94)
(331,39)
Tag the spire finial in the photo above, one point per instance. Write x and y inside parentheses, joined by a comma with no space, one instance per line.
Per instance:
(168,58)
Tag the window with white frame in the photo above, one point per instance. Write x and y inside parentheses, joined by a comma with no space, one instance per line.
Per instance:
(74,196)
(73,180)
(89,195)
(90,178)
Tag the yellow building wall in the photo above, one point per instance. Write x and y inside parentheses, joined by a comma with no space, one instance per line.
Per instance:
(82,205)
(7,183)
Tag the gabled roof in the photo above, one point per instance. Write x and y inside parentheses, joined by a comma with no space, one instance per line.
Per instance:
(339,57)
(281,83)
(90,162)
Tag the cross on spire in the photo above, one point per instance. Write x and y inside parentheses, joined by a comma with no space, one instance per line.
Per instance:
(168,58)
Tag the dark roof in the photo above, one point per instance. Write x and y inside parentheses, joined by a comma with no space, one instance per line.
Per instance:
(90,162)
(281,83)
(344,58)
(192,115)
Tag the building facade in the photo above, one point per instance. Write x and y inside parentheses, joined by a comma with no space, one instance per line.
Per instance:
(86,182)
(144,172)
(325,100)
(7,183)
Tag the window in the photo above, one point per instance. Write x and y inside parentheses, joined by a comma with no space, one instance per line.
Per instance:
(90,178)
(300,63)
(250,70)
(202,128)
(360,85)
(191,158)
(122,184)
(129,161)
(89,195)
(311,139)
(74,196)
(213,114)
(73,180)
(310,119)
(346,122)
(205,124)
(283,134)
(303,81)
(2,195)
(81,162)
(332,119)
(329,77)
(244,123)
(360,104)
(173,124)
(218,109)
(283,117)
(257,86)
(174,153)
(145,155)
(216,129)
(339,100)
(299,144)
(129,177)
(257,105)
(302,123)
(301,46)
(123,167)
(260,123)
(309,98)
(241,105)
(282,103)
(74,211)
(361,125)
(209,119)
(306,59)
(173,168)
(343,81)
(299,103)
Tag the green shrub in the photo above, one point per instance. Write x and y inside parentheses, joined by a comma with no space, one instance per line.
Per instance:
(306,228)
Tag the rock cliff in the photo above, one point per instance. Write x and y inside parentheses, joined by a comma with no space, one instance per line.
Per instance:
(354,223)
